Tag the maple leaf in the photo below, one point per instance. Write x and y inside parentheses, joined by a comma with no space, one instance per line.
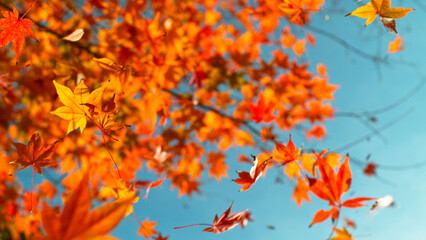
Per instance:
(294,10)
(78,104)
(350,223)
(383,9)
(15,29)
(120,75)
(248,179)
(76,221)
(396,45)
(35,154)
(286,154)
(370,169)
(301,191)
(160,237)
(261,112)
(218,166)
(331,188)
(153,184)
(147,229)
(342,234)
(226,222)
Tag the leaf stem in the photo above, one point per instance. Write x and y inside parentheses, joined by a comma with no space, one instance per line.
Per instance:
(32,4)
(103,136)
(137,219)
(335,224)
(32,184)
(192,225)
(106,145)
(300,169)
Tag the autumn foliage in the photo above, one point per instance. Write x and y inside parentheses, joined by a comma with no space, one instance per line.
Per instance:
(102,88)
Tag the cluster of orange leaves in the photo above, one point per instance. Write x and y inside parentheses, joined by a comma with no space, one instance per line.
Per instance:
(330,186)
(138,69)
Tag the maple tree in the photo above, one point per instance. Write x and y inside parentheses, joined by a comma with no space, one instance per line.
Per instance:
(175,86)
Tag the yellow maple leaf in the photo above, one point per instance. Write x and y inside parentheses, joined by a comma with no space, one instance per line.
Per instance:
(75,109)
(383,9)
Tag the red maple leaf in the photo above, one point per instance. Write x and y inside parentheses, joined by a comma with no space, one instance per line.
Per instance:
(331,187)
(226,222)
(370,169)
(261,112)
(248,179)
(15,29)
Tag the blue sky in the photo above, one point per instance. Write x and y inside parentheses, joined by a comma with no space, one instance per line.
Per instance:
(364,86)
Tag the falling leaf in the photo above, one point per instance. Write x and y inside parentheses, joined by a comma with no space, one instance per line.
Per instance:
(226,222)
(75,36)
(349,223)
(153,184)
(382,203)
(248,179)
(370,169)
(331,187)
(396,45)
(15,29)
(147,229)
(383,9)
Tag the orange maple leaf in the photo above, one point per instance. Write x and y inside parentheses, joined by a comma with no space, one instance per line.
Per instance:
(286,154)
(218,166)
(342,234)
(256,171)
(15,29)
(301,191)
(294,10)
(396,45)
(261,112)
(147,229)
(76,222)
(297,11)
(383,9)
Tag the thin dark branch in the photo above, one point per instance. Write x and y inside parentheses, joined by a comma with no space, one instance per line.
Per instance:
(357,51)
(368,136)
(398,102)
